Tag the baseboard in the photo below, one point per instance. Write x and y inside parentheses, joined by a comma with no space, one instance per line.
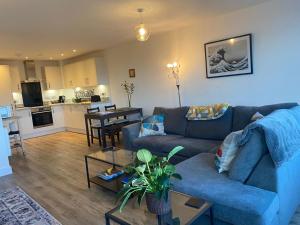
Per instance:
(76,130)
(5,171)
(43,133)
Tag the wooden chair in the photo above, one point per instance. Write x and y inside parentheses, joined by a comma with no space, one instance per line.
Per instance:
(95,125)
(109,130)
(117,122)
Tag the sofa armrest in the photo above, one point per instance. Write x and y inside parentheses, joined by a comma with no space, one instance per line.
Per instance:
(130,133)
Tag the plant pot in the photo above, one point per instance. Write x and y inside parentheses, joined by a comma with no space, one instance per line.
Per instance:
(158,206)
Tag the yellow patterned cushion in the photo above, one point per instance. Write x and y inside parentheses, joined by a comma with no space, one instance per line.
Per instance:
(210,112)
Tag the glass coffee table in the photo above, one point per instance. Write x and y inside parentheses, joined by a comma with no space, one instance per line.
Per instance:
(133,214)
(111,157)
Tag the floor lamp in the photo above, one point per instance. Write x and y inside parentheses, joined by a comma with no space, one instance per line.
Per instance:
(174,67)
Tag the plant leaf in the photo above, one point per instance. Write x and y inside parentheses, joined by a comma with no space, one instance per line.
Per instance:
(177,176)
(144,155)
(174,151)
(169,169)
(141,169)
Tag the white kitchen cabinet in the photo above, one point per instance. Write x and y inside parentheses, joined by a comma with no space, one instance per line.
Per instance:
(58,116)
(69,76)
(53,77)
(86,73)
(15,78)
(74,117)
(5,86)
(25,122)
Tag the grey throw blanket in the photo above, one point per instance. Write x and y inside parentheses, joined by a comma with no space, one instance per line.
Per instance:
(282,133)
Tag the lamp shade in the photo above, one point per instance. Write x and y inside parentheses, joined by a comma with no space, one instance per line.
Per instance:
(142,32)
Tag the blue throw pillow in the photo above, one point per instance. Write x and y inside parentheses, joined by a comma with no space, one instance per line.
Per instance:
(153,125)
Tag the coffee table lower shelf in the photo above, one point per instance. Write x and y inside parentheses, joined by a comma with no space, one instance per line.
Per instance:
(114,184)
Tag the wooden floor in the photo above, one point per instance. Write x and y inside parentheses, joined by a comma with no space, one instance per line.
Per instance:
(53,173)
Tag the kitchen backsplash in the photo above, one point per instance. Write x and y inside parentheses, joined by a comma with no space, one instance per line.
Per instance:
(52,95)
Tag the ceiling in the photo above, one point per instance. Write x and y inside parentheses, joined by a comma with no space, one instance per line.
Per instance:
(40,29)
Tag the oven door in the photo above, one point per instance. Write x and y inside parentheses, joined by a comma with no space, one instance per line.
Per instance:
(42,119)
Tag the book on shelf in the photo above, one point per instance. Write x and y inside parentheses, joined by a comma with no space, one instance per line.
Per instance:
(110,174)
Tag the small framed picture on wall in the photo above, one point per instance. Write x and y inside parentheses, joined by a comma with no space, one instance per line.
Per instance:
(131,73)
(229,57)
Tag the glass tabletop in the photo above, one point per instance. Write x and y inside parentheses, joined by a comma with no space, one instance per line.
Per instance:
(136,215)
(114,156)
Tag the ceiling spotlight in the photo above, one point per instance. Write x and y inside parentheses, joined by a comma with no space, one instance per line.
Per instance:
(26,57)
(74,50)
(142,32)
(62,54)
(51,58)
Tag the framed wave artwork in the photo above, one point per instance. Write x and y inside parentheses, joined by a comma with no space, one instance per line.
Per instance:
(229,57)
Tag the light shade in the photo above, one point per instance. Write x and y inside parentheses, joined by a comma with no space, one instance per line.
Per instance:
(142,32)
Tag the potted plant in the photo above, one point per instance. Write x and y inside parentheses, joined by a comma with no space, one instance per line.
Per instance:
(129,89)
(151,178)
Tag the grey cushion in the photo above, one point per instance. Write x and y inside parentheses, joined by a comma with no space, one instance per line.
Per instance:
(164,144)
(248,157)
(242,114)
(211,129)
(193,146)
(155,143)
(175,121)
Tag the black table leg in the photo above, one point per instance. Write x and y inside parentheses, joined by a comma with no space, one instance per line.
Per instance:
(211,215)
(107,220)
(103,133)
(87,131)
(87,172)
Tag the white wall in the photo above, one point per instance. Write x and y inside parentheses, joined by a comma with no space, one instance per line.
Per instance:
(276,47)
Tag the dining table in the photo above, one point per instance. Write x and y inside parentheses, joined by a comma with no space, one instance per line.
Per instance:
(107,115)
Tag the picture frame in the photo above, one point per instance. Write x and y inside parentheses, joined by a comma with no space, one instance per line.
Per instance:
(131,73)
(229,57)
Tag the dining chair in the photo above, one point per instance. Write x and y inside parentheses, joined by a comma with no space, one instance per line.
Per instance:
(109,130)
(118,122)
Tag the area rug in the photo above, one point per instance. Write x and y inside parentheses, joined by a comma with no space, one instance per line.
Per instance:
(17,208)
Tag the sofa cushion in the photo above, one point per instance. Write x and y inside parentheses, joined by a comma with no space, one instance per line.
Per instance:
(155,143)
(242,114)
(193,146)
(211,129)
(175,121)
(248,157)
(234,202)
(164,144)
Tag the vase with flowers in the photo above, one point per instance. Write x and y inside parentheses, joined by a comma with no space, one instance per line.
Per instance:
(129,89)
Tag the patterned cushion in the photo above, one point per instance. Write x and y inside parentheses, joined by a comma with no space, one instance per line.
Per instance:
(210,112)
(227,152)
(153,125)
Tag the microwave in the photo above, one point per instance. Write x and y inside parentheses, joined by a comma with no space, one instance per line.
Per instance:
(5,111)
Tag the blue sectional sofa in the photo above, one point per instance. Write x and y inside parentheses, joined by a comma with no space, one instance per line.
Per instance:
(253,192)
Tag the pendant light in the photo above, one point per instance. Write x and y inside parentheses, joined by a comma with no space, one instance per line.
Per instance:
(142,32)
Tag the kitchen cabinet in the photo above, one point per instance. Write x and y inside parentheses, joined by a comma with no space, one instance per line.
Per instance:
(69,76)
(86,73)
(58,116)
(53,78)
(25,122)
(5,85)
(74,117)
(15,79)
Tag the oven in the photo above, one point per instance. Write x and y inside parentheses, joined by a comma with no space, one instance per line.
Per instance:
(41,117)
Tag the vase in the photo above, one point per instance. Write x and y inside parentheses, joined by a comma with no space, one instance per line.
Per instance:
(158,206)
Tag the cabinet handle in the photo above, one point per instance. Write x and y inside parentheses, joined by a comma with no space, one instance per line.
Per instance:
(29,113)
(49,85)
(18,86)
(53,111)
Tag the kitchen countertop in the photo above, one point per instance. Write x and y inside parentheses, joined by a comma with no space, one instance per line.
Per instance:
(62,104)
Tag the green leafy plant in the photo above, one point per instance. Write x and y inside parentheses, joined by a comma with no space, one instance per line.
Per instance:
(151,174)
(129,89)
